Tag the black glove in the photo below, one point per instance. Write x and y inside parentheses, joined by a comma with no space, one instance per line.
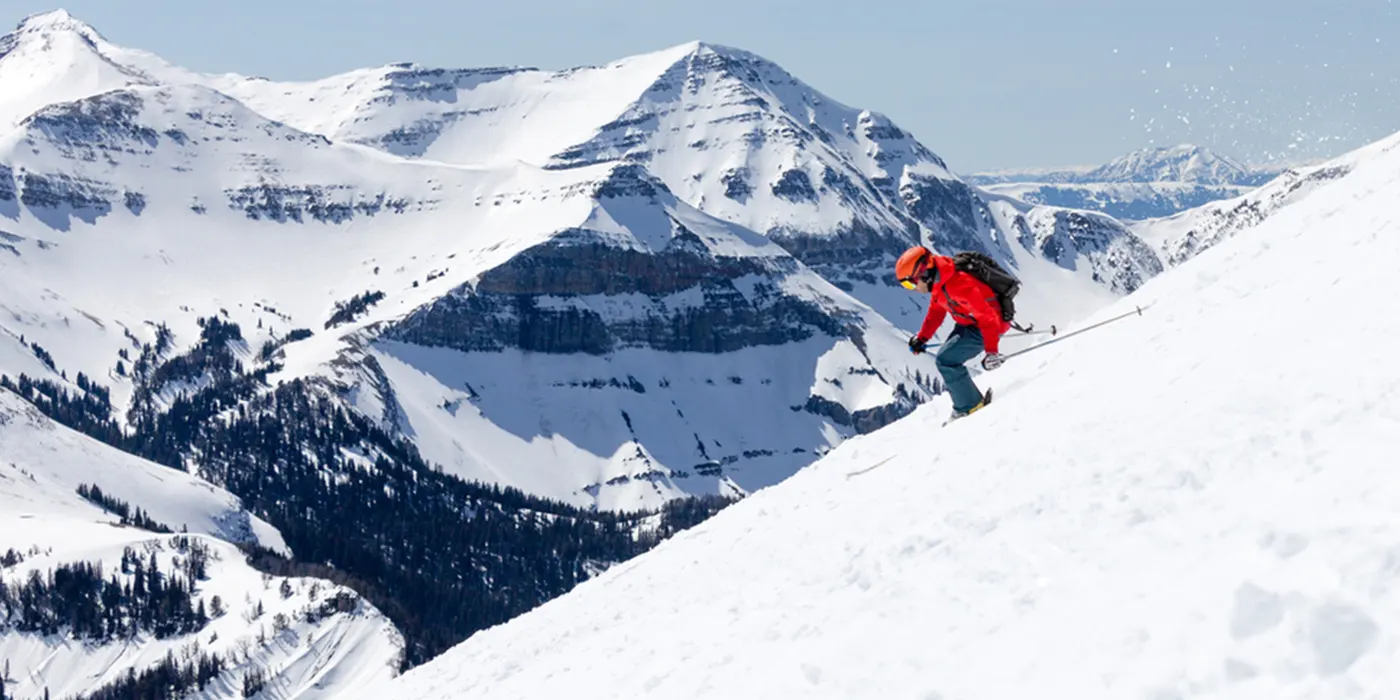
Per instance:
(992,361)
(916,344)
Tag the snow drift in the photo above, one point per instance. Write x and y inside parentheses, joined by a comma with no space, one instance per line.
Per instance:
(1189,503)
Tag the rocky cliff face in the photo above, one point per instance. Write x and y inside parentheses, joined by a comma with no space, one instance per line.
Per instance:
(577,294)
(1118,259)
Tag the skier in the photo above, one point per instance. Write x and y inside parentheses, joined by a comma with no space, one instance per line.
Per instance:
(976,312)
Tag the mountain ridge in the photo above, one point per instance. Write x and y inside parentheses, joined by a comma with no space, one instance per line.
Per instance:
(1182,163)
(1144,184)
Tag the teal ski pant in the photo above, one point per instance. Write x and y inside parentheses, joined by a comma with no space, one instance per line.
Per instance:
(963,344)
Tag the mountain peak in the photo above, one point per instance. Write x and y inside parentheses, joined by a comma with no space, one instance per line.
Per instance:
(56,21)
(1183,162)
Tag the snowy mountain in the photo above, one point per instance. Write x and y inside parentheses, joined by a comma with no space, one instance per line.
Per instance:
(236,202)
(638,273)
(1182,236)
(1182,163)
(1146,183)
(1110,527)
(68,502)
(842,189)
(53,57)
(472,337)
(1185,163)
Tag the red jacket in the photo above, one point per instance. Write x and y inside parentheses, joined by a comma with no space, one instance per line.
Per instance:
(970,301)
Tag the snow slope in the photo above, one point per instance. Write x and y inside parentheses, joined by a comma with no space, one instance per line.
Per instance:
(1162,508)
(43,518)
(59,460)
(53,57)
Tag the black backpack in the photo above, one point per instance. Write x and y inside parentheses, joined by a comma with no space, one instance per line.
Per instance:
(984,267)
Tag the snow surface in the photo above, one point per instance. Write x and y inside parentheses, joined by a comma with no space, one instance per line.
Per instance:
(53,57)
(43,518)
(56,460)
(1191,502)
(468,116)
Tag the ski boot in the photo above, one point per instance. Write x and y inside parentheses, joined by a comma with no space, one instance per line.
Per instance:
(986,399)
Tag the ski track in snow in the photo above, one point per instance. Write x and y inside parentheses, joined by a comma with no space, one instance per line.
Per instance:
(1191,503)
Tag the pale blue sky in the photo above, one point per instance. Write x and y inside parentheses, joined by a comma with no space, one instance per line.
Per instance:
(985,83)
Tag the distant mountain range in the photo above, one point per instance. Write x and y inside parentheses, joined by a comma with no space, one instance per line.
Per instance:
(1144,184)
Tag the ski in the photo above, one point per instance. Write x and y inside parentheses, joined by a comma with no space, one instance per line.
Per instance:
(986,401)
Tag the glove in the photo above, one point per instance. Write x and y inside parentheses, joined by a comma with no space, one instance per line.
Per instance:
(916,344)
(992,361)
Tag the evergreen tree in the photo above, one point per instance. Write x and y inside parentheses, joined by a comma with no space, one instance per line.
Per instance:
(76,600)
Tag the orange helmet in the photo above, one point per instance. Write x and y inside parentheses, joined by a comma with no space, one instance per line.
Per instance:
(912,265)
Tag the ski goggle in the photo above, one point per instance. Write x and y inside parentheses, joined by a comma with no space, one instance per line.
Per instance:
(911,281)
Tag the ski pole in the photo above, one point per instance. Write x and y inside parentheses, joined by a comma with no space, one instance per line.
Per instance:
(1137,310)
(1017,334)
